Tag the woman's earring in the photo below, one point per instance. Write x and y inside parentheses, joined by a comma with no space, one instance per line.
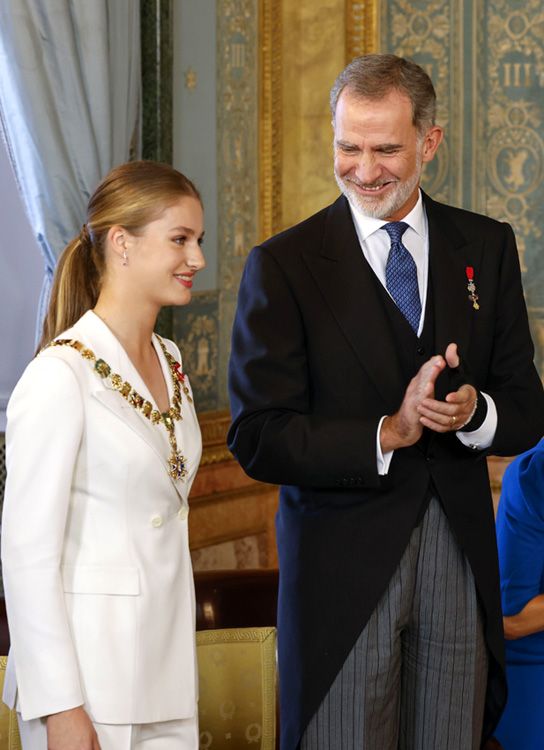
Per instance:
(125,258)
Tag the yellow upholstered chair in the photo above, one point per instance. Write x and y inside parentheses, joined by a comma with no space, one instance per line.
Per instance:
(9,731)
(237,688)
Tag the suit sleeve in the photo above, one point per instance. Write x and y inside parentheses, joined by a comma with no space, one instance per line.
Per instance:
(513,382)
(275,435)
(45,422)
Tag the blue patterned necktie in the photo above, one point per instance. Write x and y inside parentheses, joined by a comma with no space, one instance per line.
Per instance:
(401,275)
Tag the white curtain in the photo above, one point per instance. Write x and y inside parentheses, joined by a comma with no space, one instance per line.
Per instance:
(70,91)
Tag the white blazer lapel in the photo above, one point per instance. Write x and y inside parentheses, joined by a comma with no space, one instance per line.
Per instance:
(95,334)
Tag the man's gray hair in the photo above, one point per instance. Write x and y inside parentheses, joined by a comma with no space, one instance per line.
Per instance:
(374,76)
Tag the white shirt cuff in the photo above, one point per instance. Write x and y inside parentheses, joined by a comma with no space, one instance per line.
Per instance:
(483,436)
(383,459)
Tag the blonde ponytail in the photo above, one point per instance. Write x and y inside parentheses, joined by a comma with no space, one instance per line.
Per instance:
(75,289)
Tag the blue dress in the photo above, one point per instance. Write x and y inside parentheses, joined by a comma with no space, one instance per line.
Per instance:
(520,537)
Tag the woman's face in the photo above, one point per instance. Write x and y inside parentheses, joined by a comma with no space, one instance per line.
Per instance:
(162,261)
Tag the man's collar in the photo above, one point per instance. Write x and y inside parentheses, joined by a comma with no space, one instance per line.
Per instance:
(367,225)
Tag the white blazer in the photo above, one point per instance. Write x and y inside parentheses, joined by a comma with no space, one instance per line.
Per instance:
(97,572)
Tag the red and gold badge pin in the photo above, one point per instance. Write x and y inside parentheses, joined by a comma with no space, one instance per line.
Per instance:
(471,286)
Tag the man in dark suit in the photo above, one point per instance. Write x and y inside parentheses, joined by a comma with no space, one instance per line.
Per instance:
(381,350)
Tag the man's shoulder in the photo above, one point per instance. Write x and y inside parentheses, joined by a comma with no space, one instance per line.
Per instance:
(467,221)
(302,236)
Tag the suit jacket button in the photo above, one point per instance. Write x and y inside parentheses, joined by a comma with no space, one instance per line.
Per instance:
(156,522)
(183,513)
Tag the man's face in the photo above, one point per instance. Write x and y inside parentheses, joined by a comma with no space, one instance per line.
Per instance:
(379,153)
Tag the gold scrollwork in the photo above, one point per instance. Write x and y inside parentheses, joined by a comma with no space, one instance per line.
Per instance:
(362,33)
(270,117)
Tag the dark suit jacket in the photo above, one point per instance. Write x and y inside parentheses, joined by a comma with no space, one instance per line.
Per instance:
(314,366)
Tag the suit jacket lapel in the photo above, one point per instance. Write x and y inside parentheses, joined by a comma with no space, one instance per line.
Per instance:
(449,255)
(349,288)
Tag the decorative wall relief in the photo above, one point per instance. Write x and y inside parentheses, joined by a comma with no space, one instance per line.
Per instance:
(512,110)
(486,59)
(427,31)
(197,334)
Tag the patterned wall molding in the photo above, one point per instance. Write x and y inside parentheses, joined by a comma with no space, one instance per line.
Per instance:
(362,28)
(238,158)
(270,117)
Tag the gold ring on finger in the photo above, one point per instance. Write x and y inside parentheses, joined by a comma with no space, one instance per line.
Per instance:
(453,421)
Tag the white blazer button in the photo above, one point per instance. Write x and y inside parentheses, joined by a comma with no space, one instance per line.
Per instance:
(156,521)
(183,513)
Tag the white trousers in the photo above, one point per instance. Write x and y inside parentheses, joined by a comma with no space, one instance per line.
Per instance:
(181,734)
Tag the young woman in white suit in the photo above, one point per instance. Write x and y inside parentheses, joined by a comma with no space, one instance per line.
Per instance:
(102,447)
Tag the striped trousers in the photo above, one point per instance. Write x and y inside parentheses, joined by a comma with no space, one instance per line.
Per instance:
(416,677)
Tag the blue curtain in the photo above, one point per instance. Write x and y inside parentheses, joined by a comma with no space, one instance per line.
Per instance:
(70,93)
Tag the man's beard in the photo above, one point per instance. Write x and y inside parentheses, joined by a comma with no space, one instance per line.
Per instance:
(381,207)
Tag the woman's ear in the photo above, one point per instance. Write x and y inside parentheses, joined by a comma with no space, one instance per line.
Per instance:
(117,238)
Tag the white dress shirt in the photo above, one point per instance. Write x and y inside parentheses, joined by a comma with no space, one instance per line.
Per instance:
(375,245)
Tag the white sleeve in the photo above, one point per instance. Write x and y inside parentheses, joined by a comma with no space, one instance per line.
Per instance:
(45,424)
(482,437)
(383,459)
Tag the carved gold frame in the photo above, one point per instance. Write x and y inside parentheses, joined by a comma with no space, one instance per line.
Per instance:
(361,37)
(362,27)
(270,117)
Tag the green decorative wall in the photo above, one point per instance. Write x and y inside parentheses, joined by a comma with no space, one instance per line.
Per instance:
(486,58)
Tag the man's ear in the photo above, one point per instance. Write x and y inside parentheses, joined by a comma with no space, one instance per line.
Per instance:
(431,141)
